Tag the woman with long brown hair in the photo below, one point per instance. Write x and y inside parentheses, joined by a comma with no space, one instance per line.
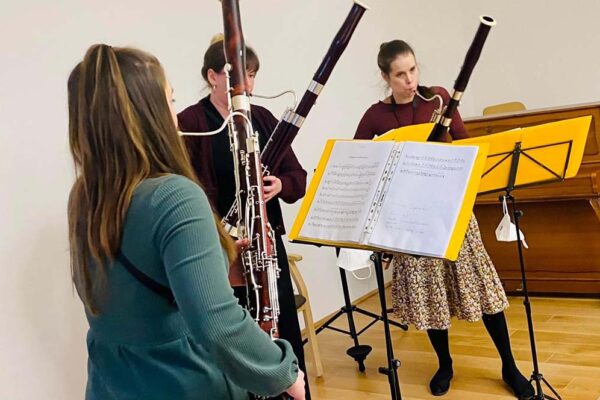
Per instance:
(149,260)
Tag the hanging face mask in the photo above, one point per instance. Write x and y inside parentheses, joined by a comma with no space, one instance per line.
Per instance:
(353,260)
(506,230)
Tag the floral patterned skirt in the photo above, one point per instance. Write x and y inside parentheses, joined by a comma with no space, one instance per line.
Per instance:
(427,292)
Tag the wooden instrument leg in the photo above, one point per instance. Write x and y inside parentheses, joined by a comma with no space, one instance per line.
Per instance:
(236,273)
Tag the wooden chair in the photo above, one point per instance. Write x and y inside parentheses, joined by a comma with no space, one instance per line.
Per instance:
(303,305)
(504,108)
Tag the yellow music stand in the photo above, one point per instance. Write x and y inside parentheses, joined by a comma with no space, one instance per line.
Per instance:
(525,157)
(519,158)
(543,154)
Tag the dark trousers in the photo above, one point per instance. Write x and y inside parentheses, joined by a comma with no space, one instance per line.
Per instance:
(289,327)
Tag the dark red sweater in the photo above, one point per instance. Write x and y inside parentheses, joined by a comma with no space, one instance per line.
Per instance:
(382,117)
(291,173)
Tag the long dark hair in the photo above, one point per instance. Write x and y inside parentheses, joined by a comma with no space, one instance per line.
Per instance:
(388,51)
(120,132)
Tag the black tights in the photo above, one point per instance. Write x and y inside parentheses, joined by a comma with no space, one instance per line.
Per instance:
(498,331)
(496,327)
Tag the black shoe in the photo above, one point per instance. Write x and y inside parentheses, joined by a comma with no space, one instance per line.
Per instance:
(440,383)
(519,385)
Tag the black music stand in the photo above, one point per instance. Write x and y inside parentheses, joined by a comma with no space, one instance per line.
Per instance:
(358,352)
(392,367)
(554,176)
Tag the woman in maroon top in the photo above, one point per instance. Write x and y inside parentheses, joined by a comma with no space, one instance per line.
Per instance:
(427,292)
(212,161)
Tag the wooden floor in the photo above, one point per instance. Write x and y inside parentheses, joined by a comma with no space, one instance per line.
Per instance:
(568,343)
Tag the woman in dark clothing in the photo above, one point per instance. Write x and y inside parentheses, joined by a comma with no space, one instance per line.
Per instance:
(427,292)
(213,163)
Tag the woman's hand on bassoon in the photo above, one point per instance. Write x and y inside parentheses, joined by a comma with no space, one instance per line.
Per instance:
(272,186)
(241,244)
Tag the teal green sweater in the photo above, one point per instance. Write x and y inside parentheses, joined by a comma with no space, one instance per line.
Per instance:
(140,347)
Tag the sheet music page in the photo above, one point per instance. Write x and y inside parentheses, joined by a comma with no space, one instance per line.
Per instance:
(424,198)
(343,200)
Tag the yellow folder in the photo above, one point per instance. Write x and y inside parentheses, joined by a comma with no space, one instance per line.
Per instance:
(417,133)
(412,133)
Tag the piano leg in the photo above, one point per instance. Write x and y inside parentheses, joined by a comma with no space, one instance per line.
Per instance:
(595,203)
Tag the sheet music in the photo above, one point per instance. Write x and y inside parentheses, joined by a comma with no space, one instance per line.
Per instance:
(343,199)
(424,197)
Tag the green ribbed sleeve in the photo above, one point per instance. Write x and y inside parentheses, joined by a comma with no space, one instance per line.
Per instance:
(187,240)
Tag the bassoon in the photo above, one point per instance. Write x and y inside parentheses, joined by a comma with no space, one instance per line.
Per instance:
(259,259)
(286,130)
(440,131)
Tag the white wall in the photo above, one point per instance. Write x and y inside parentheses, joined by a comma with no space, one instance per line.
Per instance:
(541,52)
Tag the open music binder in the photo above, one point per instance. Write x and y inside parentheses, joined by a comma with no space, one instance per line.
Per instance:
(408,197)
(547,152)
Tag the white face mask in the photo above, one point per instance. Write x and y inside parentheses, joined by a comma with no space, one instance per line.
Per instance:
(506,230)
(353,260)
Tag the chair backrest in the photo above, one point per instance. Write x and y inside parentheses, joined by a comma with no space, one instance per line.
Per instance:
(296,276)
(303,305)
(504,107)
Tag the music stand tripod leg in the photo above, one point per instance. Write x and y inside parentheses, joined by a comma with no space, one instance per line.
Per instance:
(379,318)
(358,352)
(536,376)
(392,368)
(517,214)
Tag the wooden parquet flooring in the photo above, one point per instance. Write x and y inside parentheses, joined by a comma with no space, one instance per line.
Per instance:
(568,343)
